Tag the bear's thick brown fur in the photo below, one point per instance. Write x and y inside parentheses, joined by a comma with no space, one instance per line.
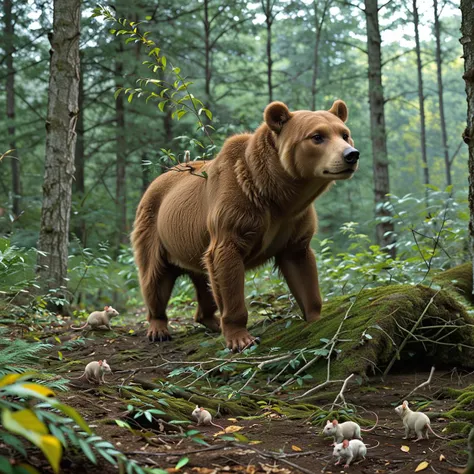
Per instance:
(255,204)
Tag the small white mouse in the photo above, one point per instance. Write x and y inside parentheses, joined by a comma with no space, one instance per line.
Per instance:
(94,371)
(349,451)
(203,417)
(415,421)
(99,318)
(347,430)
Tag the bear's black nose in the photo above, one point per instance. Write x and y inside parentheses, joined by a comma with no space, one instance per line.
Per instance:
(351,155)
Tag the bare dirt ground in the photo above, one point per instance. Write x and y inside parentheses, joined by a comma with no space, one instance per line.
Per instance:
(270,437)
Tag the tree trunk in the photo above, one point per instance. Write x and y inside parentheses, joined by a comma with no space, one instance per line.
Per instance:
(60,143)
(318,25)
(207,52)
(467,41)
(384,229)
(10,89)
(269,21)
(444,136)
(121,157)
(421,98)
(79,183)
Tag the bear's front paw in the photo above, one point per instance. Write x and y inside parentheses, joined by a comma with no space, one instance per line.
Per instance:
(158,331)
(239,339)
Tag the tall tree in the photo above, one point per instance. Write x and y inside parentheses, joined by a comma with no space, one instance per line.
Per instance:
(268,10)
(121,154)
(79,161)
(10,89)
(60,143)
(421,96)
(319,18)
(439,74)
(384,230)
(467,41)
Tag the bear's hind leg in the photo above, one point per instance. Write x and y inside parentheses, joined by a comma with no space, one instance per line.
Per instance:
(206,310)
(156,293)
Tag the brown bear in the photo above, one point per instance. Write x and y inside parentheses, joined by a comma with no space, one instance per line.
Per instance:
(214,220)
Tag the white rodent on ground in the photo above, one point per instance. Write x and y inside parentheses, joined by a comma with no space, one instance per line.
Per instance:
(415,421)
(95,370)
(99,318)
(203,417)
(349,451)
(340,431)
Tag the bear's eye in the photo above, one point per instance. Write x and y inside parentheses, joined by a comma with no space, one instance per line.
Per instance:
(317,138)
(345,136)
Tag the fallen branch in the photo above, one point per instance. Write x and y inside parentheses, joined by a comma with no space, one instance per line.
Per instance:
(330,344)
(341,393)
(422,384)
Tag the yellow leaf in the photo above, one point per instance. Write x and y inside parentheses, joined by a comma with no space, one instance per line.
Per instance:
(52,449)
(41,389)
(255,441)
(131,331)
(442,458)
(25,423)
(56,338)
(422,466)
(11,378)
(23,420)
(296,448)
(60,355)
(233,428)
(219,433)
(232,419)
(405,449)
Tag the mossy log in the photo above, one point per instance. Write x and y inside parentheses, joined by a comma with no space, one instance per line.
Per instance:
(458,281)
(375,327)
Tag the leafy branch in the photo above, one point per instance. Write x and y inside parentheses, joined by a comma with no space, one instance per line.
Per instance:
(173,94)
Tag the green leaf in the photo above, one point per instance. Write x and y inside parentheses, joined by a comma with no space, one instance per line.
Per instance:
(72,413)
(161,105)
(182,462)
(87,451)
(107,457)
(163,61)
(5,466)
(117,92)
(24,468)
(13,441)
(122,424)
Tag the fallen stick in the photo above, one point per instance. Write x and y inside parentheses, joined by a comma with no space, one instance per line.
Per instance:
(422,384)
(341,393)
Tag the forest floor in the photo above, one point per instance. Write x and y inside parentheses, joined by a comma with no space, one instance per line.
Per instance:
(295,441)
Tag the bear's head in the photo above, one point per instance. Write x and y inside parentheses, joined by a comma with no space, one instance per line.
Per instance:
(313,144)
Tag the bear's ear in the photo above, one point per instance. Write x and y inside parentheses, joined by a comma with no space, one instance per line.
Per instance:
(276,115)
(339,109)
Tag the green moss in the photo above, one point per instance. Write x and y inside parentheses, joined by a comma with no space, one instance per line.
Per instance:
(458,281)
(369,336)
(458,427)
